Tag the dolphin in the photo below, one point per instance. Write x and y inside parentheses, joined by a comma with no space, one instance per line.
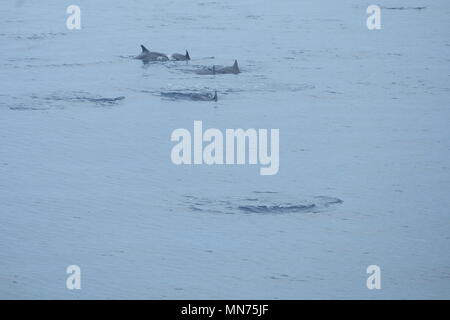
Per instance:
(234,69)
(190,96)
(181,57)
(207,71)
(147,55)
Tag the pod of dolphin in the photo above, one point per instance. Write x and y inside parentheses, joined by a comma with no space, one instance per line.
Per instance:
(152,56)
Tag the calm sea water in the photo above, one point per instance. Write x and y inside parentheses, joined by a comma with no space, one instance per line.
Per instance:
(87,179)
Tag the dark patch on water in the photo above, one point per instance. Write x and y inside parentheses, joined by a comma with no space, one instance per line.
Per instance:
(95,99)
(277,209)
(404,8)
(193,96)
(328,201)
(102,101)
(38,102)
(207,3)
(26,108)
(253,17)
(279,87)
(34,36)
(268,203)
(265,192)
(53,65)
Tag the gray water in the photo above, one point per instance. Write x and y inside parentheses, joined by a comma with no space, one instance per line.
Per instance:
(86,176)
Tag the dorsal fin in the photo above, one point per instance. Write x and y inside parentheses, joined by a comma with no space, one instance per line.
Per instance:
(144,49)
(236,66)
(187,55)
(215,96)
